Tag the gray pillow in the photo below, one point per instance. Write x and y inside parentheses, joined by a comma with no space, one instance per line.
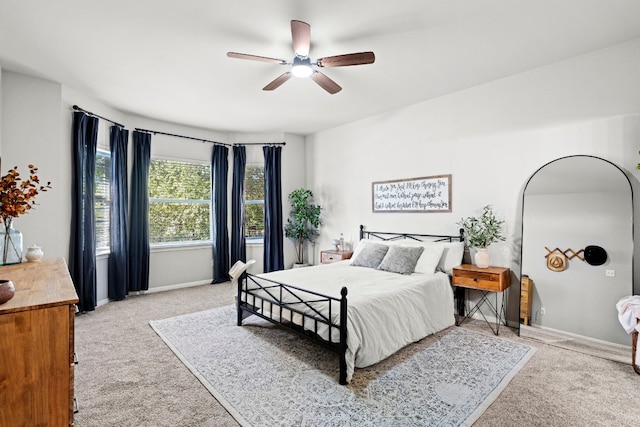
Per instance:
(401,259)
(371,255)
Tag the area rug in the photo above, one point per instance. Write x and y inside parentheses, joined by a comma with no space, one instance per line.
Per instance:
(266,376)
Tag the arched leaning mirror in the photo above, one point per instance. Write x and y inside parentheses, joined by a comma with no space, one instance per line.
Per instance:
(577,249)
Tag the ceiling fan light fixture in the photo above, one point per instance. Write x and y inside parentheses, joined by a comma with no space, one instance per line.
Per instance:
(301,67)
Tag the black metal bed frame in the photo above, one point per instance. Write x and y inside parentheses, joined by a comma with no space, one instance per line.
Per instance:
(265,294)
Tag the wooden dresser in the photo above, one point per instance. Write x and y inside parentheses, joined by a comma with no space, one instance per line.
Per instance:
(36,345)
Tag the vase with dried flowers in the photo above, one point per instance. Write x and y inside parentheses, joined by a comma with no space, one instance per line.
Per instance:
(17,197)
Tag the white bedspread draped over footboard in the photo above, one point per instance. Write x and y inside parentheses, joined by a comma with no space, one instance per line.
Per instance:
(386,311)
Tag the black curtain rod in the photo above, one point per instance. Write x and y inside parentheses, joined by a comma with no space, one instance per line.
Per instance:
(204,140)
(157,132)
(260,143)
(75,107)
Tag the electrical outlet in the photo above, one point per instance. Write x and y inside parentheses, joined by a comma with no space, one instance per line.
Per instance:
(543,311)
(610,273)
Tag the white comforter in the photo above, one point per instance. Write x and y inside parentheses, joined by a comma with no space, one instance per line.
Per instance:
(386,311)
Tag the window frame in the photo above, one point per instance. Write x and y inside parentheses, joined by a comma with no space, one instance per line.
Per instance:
(186,244)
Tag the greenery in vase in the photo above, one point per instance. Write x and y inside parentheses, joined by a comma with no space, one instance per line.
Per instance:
(484,230)
(17,197)
(303,222)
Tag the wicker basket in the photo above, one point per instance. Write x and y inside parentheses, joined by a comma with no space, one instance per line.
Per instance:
(634,346)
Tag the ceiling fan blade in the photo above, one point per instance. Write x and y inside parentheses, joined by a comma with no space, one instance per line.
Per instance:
(359,58)
(278,81)
(255,58)
(325,82)
(301,36)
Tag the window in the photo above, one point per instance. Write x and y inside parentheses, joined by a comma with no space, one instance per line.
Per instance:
(102,196)
(254,202)
(179,201)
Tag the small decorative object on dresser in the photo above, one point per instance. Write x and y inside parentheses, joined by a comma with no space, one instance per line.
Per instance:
(329,256)
(7,290)
(34,253)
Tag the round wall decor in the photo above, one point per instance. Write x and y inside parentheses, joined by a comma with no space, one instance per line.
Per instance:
(595,255)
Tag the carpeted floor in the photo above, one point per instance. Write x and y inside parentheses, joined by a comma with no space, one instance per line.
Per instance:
(127,376)
(266,376)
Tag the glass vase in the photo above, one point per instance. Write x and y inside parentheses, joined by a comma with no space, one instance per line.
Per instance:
(11,245)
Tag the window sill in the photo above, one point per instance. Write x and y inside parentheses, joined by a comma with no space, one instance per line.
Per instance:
(102,253)
(179,246)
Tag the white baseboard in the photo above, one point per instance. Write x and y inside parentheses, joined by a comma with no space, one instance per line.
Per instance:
(178,286)
(162,289)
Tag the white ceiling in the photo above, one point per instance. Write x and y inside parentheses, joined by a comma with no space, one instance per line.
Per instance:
(166,59)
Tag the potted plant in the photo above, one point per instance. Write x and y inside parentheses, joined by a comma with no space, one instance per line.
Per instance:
(303,222)
(482,231)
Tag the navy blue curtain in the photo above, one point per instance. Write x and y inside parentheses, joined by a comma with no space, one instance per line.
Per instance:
(273,223)
(82,248)
(118,260)
(238,246)
(139,213)
(220,234)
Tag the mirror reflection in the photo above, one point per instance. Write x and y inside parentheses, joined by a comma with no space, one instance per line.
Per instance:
(569,205)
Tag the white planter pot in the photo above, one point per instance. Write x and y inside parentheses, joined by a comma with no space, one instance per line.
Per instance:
(482,257)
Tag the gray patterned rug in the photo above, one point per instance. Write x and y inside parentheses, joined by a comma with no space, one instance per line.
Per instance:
(266,376)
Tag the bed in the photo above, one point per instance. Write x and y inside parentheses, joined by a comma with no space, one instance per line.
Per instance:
(395,290)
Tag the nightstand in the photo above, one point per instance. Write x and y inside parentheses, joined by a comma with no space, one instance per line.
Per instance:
(329,256)
(486,280)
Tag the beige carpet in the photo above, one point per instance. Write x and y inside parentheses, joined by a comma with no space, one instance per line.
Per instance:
(127,376)
(614,352)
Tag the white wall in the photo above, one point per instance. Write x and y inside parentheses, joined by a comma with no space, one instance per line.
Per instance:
(35,123)
(491,138)
(31,134)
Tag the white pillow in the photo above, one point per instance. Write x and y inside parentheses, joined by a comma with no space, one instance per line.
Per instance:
(452,254)
(430,258)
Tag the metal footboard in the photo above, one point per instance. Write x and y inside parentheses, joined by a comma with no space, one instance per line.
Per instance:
(297,309)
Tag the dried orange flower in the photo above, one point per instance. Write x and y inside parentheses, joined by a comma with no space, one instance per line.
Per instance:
(17,196)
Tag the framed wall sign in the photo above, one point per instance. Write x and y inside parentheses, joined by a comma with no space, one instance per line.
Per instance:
(427,194)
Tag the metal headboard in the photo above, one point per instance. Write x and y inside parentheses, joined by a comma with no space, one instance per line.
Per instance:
(387,235)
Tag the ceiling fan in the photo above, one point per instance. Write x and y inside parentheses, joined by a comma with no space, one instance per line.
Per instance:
(301,65)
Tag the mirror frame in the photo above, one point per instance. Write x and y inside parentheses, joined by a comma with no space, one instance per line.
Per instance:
(626,176)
